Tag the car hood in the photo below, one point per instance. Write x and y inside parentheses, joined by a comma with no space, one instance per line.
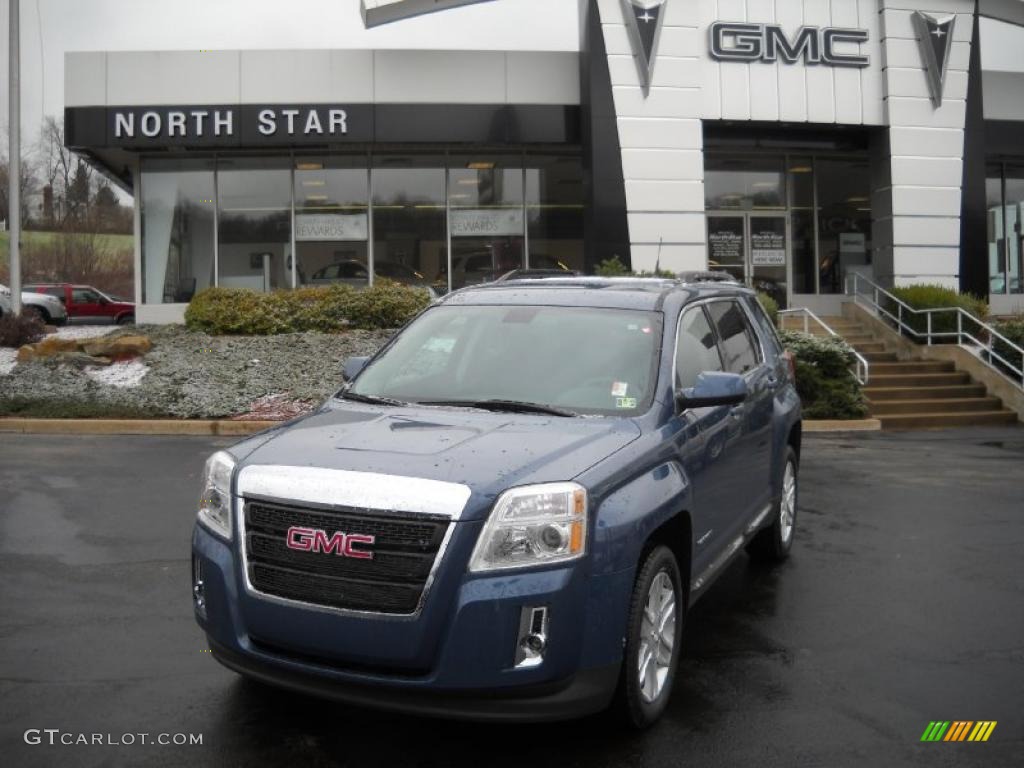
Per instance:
(487,452)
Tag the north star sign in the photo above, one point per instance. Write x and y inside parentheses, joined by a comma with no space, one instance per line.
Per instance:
(246,125)
(736,41)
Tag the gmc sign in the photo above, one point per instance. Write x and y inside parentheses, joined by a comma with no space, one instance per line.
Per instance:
(734,41)
(337,543)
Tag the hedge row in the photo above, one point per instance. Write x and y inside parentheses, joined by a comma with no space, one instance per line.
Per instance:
(925,296)
(326,309)
(824,380)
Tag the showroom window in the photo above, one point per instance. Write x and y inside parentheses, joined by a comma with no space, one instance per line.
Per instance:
(270,222)
(410,220)
(254,227)
(332,220)
(554,206)
(1004,187)
(178,215)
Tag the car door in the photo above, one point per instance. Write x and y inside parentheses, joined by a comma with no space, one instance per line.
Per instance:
(707,442)
(86,304)
(742,354)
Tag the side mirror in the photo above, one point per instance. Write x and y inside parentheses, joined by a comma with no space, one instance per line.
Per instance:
(351,367)
(713,389)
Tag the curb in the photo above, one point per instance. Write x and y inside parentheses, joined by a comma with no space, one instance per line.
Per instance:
(856,425)
(219,427)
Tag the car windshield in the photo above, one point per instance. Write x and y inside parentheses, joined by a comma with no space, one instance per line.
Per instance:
(573,360)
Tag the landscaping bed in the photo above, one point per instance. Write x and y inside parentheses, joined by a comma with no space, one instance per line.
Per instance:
(186,375)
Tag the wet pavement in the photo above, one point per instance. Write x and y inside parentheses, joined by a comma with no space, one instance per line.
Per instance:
(903,603)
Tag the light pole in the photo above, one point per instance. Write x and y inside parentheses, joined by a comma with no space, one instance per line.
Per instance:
(14,167)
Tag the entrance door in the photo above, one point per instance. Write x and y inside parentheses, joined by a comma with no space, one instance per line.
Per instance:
(754,248)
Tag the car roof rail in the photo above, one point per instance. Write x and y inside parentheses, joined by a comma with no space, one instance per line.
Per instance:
(536,274)
(708,276)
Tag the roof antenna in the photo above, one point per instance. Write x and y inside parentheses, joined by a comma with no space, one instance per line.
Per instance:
(657,261)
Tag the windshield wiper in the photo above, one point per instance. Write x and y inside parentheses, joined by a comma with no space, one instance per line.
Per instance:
(371,399)
(511,406)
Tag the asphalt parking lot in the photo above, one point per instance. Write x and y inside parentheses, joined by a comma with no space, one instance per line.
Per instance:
(903,603)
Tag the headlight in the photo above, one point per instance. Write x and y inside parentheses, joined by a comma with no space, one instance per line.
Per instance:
(215,499)
(533,525)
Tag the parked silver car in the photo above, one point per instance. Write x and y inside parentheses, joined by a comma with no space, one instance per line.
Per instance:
(49,309)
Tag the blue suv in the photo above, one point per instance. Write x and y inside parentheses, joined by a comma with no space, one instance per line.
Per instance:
(506,512)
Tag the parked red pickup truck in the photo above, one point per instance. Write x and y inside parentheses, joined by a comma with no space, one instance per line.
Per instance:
(86,304)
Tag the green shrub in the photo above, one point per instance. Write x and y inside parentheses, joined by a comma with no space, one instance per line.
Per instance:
(18,330)
(932,297)
(1014,331)
(612,267)
(770,305)
(327,309)
(824,380)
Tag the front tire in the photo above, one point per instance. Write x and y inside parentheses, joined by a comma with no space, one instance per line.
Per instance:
(32,310)
(654,637)
(774,542)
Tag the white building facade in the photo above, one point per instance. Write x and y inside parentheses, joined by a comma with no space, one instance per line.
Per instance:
(790,142)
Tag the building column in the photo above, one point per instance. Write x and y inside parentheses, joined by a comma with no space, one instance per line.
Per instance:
(661,139)
(917,229)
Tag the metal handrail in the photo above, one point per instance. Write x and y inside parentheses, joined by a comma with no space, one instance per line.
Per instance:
(862,368)
(981,336)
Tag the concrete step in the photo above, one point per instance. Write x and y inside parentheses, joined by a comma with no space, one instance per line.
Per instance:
(918,379)
(880,357)
(868,347)
(877,394)
(937,405)
(857,339)
(941,420)
(931,366)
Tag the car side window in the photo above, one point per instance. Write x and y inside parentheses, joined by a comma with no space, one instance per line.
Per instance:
(768,332)
(696,349)
(84,296)
(737,339)
(352,271)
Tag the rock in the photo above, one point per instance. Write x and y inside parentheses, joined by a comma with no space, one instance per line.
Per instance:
(81,359)
(119,347)
(48,347)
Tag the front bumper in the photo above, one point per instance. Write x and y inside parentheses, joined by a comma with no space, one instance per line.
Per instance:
(453,659)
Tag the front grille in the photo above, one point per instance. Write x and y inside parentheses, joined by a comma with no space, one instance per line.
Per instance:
(404,551)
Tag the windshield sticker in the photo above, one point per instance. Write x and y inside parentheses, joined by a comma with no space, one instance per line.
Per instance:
(439,344)
(625,402)
(619,388)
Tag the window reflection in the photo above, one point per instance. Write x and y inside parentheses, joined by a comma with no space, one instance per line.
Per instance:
(254,230)
(554,204)
(177,229)
(332,220)
(744,183)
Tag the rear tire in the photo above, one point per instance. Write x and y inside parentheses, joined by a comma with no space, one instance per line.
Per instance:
(774,542)
(126,320)
(30,310)
(654,637)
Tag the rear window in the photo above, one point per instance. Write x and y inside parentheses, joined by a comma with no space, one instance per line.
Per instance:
(735,336)
(768,332)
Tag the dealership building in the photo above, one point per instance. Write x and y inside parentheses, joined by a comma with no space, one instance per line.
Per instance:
(443,142)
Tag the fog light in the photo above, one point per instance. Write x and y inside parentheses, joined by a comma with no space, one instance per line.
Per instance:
(198,588)
(533,637)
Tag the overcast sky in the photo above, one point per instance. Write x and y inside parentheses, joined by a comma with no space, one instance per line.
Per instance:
(49,28)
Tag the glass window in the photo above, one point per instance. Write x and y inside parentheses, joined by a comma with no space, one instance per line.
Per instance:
(410,220)
(738,343)
(177,229)
(486,197)
(332,220)
(1014,232)
(996,228)
(696,349)
(554,204)
(727,245)
(84,296)
(744,183)
(801,184)
(254,231)
(844,220)
(586,360)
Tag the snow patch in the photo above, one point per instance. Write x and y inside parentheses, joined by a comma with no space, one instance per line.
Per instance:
(78,332)
(8,359)
(122,375)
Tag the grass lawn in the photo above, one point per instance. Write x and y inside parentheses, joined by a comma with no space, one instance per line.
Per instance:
(42,239)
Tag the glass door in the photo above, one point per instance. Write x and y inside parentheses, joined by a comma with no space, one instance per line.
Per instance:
(753,248)
(769,256)
(727,244)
